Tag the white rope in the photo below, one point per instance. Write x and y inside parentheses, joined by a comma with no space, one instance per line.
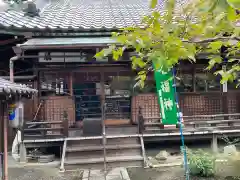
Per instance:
(15,145)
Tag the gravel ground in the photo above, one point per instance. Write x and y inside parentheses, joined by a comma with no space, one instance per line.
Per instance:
(41,173)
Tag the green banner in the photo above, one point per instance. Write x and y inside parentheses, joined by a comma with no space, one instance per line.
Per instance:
(166,97)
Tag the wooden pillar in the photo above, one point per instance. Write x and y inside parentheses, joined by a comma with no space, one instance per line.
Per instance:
(5,144)
(1,128)
(193,78)
(71,83)
(35,86)
(1,140)
(102,91)
(238,102)
(214,143)
(65,124)
(225,96)
(104,139)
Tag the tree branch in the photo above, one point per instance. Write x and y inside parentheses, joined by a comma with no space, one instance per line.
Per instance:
(212,40)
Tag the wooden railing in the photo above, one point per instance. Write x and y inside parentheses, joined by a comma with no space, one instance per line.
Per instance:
(190,104)
(219,121)
(45,129)
(194,123)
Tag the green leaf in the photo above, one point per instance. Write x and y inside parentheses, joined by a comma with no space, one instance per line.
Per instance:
(223,5)
(153,3)
(137,62)
(215,45)
(117,53)
(232,15)
(99,55)
(220,17)
(225,77)
(170,4)
(213,6)
(214,60)
(234,3)
(235,67)
(159,39)
(232,60)
(142,77)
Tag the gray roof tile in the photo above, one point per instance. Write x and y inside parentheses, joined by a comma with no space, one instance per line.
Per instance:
(82,14)
(8,87)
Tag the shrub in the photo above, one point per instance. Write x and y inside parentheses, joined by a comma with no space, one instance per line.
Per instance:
(201,163)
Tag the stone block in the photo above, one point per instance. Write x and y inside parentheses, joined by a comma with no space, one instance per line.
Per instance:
(230,150)
(162,155)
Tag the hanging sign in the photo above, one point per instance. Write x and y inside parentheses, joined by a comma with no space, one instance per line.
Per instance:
(12,112)
(15,115)
(166,97)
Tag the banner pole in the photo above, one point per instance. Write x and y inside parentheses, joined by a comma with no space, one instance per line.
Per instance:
(183,149)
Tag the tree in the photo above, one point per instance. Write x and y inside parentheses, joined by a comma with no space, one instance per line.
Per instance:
(181,33)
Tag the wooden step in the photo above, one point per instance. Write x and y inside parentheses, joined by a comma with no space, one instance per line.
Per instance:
(100,148)
(101,160)
(81,156)
(126,141)
(84,143)
(43,122)
(89,153)
(39,145)
(96,154)
(153,124)
(40,136)
(43,129)
(100,165)
(109,141)
(162,130)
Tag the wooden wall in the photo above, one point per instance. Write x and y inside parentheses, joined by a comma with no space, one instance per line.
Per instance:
(54,107)
(190,104)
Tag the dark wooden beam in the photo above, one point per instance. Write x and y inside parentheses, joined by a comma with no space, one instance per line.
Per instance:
(90,68)
(194,78)
(71,83)
(20,77)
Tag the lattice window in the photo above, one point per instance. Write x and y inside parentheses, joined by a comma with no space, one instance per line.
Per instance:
(57,83)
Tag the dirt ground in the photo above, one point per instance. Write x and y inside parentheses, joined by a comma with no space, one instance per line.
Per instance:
(223,172)
(41,173)
(170,173)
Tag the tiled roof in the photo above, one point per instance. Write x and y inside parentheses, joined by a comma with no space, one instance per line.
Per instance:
(81,15)
(8,87)
(38,43)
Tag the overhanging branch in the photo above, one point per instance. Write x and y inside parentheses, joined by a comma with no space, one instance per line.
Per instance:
(212,40)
